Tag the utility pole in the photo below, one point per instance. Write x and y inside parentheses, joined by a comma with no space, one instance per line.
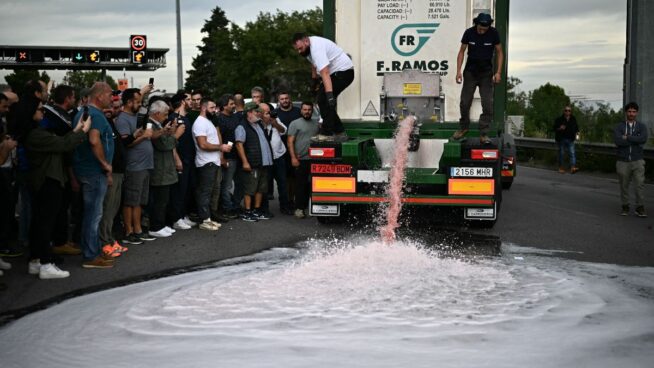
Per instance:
(639,61)
(180,69)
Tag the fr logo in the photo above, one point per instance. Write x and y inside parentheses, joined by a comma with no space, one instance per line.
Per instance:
(408,39)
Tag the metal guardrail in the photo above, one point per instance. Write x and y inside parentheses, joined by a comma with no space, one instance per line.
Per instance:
(597,148)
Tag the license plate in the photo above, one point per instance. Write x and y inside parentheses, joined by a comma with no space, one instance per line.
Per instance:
(325,209)
(372,176)
(331,169)
(471,172)
(480,213)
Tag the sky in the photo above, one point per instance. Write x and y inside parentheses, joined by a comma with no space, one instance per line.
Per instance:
(578,45)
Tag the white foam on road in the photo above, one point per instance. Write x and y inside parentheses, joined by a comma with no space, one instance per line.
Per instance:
(355,303)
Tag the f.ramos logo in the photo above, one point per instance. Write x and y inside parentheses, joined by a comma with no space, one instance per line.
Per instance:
(408,39)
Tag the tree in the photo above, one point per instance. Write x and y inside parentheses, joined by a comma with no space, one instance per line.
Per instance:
(216,66)
(516,101)
(274,63)
(233,59)
(596,124)
(80,79)
(20,77)
(545,104)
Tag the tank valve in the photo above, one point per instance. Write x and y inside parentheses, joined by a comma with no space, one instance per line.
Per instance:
(414,138)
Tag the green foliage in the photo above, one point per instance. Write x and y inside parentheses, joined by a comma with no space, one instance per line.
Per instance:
(19,78)
(516,103)
(260,54)
(81,79)
(545,104)
(596,125)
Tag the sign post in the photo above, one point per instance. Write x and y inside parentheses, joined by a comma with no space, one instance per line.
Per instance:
(138,46)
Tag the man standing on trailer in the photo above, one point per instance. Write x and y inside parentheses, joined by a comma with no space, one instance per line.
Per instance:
(482,41)
(332,72)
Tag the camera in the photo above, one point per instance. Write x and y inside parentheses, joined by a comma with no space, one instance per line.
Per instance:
(141,117)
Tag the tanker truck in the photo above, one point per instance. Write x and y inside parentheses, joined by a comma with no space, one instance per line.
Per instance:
(404,53)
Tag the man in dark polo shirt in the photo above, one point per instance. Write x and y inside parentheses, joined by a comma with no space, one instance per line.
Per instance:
(482,41)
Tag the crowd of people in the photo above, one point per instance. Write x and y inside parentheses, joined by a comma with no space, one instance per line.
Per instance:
(95,175)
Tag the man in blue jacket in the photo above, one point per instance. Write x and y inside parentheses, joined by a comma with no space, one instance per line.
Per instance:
(630,136)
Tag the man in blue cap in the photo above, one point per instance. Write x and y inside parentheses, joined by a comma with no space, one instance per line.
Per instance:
(481,41)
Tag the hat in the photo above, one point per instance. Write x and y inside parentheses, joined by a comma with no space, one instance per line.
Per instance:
(252,106)
(483,20)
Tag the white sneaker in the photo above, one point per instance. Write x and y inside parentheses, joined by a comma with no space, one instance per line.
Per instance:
(4,265)
(189,222)
(208,225)
(51,271)
(34,267)
(160,234)
(170,230)
(181,225)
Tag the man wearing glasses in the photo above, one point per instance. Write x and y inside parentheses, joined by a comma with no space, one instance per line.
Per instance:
(565,134)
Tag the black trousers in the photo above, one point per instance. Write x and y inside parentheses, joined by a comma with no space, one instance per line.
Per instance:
(302,185)
(331,122)
(181,193)
(471,80)
(7,206)
(160,197)
(46,203)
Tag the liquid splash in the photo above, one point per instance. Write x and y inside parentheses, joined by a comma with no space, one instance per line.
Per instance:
(396,179)
(356,302)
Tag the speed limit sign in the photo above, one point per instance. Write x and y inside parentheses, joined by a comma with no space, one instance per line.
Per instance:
(138,42)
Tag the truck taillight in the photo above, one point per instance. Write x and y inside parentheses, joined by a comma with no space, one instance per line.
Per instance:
(484,154)
(322,152)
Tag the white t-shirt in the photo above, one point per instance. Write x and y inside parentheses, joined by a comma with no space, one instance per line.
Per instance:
(324,53)
(276,142)
(203,127)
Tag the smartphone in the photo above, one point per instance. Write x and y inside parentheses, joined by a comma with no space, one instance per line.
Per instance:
(151,81)
(85,114)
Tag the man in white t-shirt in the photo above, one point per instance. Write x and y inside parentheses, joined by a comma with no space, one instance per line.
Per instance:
(332,72)
(208,158)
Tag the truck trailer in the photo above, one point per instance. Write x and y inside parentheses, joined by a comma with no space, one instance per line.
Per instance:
(404,53)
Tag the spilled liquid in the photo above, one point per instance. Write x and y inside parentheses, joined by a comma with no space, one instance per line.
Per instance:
(396,178)
(355,303)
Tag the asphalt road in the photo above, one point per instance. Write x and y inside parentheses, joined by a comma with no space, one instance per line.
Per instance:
(576,214)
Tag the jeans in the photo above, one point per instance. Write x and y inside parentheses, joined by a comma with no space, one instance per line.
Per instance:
(206,182)
(471,81)
(629,171)
(215,193)
(227,186)
(302,185)
(331,122)
(110,207)
(567,144)
(278,172)
(94,188)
